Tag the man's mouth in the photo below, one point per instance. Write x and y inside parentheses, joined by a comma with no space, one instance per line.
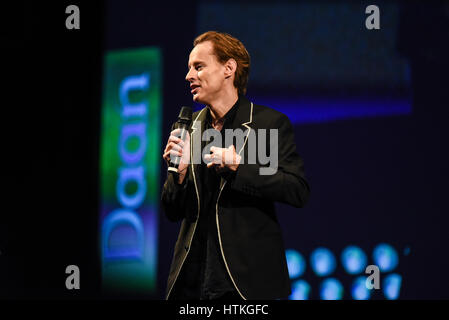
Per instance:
(195,89)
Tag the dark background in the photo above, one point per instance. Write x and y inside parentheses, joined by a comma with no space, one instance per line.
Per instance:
(374,179)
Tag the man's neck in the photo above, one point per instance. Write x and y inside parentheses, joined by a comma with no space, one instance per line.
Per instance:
(220,107)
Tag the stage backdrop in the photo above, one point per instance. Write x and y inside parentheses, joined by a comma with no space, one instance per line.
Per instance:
(366,109)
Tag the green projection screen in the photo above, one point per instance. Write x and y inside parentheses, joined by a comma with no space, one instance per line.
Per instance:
(129,169)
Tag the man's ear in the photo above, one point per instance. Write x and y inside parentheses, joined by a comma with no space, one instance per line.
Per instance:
(230,67)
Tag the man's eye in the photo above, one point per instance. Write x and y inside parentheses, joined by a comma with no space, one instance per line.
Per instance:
(198,67)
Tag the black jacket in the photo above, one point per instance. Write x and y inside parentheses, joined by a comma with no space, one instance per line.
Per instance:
(249,234)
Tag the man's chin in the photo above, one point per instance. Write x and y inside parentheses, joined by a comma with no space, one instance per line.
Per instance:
(196,98)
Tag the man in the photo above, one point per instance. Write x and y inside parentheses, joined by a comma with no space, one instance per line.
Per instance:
(230,244)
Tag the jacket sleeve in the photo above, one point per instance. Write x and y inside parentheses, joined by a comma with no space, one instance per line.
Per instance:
(287,184)
(174,196)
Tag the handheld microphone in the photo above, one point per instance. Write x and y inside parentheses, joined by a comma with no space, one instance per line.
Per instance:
(183,123)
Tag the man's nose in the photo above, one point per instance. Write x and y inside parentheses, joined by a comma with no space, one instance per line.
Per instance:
(189,76)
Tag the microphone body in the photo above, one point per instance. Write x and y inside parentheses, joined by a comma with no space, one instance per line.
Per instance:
(183,123)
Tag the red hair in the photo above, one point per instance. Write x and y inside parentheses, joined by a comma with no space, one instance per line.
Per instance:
(227,47)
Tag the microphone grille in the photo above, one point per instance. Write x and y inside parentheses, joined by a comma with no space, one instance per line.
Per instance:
(185,113)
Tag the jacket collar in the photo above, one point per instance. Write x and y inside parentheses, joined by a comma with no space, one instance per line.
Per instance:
(242,119)
(244,114)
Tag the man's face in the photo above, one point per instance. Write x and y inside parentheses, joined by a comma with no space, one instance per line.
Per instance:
(206,75)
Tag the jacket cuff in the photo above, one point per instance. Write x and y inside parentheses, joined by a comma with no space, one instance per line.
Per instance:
(178,186)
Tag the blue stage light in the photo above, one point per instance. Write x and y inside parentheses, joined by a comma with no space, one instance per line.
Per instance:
(331,289)
(359,291)
(385,257)
(353,260)
(392,286)
(296,263)
(320,110)
(322,261)
(300,290)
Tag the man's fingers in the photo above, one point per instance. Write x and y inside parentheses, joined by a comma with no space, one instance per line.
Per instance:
(212,158)
(176,140)
(174,153)
(174,146)
(166,156)
(171,153)
(176,132)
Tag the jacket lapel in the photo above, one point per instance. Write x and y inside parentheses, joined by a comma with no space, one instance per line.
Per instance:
(243,120)
(195,150)
(244,116)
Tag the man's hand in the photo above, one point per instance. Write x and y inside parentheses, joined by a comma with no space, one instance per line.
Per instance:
(223,158)
(176,147)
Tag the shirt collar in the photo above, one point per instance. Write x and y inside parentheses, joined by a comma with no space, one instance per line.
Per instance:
(228,117)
